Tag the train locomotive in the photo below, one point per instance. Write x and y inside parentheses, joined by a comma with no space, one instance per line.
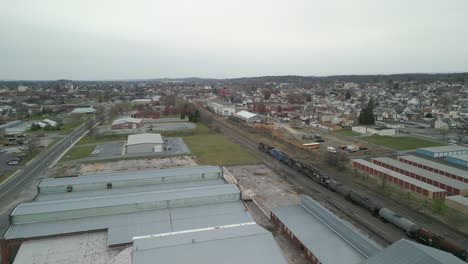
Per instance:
(412,230)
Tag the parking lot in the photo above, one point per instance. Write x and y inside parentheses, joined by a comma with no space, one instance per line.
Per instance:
(112,150)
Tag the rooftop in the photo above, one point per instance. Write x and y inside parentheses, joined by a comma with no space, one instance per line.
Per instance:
(134,178)
(408,252)
(439,166)
(145,138)
(400,176)
(329,238)
(127,120)
(246,114)
(444,148)
(427,174)
(459,199)
(239,243)
(461,157)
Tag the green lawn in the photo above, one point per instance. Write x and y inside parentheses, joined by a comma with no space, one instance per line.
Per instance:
(217,149)
(401,143)
(347,132)
(78,152)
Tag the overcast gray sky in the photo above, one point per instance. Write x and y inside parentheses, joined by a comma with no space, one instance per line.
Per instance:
(116,39)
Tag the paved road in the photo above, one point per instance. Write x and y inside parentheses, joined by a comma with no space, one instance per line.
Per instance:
(18,188)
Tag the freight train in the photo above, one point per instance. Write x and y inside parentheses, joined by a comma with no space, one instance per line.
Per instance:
(412,230)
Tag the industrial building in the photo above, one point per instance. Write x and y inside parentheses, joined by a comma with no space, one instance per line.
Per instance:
(408,252)
(231,244)
(247,117)
(321,235)
(450,185)
(447,171)
(126,123)
(457,202)
(461,160)
(108,210)
(144,143)
(424,189)
(444,151)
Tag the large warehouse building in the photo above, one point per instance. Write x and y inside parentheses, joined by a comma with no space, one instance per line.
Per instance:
(450,185)
(461,160)
(98,216)
(127,123)
(323,237)
(144,143)
(439,152)
(447,171)
(399,179)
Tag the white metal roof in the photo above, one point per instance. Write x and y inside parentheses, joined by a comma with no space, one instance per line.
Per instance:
(127,120)
(445,148)
(400,176)
(144,138)
(459,199)
(124,226)
(122,199)
(427,174)
(246,114)
(128,175)
(233,244)
(329,238)
(436,165)
(409,252)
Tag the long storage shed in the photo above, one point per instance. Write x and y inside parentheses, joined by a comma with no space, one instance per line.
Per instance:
(461,160)
(98,181)
(447,171)
(444,151)
(450,185)
(404,181)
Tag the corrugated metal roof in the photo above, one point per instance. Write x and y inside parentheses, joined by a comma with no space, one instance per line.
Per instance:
(238,244)
(329,238)
(427,174)
(127,120)
(445,148)
(144,138)
(246,114)
(408,252)
(135,189)
(130,176)
(399,176)
(459,199)
(123,227)
(461,157)
(122,199)
(437,165)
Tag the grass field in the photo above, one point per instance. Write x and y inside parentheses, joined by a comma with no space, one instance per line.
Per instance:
(78,152)
(401,143)
(347,132)
(217,149)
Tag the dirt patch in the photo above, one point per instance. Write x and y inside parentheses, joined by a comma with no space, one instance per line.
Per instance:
(122,165)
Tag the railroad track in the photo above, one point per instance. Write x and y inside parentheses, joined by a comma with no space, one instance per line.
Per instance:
(326,197)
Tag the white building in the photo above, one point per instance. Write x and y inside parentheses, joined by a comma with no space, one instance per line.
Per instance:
(144,143)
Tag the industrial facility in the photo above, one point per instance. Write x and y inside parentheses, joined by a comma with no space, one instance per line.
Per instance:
(447,171)
(322,236)
(171,206)
(144,143)
(450,185)
(419,187)
(444,151)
